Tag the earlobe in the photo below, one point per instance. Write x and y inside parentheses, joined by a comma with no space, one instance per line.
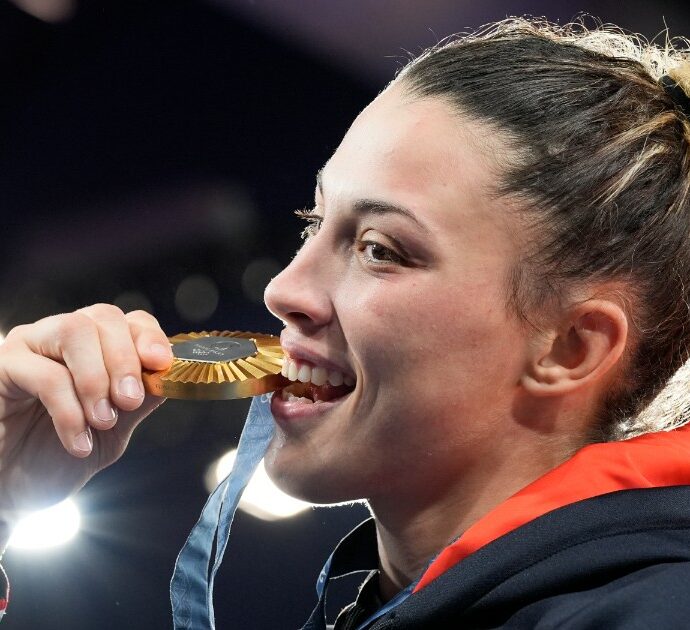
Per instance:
(590,343)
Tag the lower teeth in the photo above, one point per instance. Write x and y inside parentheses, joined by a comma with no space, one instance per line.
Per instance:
(291,397)
(307,393)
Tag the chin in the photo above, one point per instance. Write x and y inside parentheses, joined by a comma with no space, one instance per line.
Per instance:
(315,484)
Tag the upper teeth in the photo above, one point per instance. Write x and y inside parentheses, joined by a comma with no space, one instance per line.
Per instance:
(296,371)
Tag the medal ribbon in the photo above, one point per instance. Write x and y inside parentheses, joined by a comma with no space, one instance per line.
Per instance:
(191,587)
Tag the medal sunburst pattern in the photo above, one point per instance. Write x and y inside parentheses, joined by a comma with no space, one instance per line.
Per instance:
(251,375)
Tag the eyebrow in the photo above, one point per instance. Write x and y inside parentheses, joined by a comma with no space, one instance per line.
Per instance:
(372,206)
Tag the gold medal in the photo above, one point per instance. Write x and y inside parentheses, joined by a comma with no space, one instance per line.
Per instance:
(219,365)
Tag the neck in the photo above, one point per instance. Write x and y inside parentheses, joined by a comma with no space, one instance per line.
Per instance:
(411,533)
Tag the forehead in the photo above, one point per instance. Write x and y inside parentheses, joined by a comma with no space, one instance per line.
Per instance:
(420,154)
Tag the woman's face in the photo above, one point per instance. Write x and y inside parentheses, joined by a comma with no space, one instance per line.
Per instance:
(403,288)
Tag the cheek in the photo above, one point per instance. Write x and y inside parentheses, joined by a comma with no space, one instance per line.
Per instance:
(446,314)
(383,323)
(427,345)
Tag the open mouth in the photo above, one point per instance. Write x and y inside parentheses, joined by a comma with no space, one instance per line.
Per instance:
(308,392)
(314,384)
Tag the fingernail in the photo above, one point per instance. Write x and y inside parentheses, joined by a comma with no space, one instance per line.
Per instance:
(129,387)
(104,411)
(161,350)
(83,442)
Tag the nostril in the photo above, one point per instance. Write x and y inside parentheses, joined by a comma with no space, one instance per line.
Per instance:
(297,317)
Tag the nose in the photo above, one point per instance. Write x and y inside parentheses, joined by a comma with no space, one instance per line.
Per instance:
(300,294)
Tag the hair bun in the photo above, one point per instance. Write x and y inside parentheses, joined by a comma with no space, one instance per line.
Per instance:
(681,75)
(676,82)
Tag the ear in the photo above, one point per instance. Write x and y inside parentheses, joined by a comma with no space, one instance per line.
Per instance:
(581,352)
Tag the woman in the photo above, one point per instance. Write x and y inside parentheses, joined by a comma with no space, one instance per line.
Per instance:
(494,276)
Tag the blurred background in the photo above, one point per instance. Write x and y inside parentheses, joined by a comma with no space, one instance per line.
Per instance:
(151,154)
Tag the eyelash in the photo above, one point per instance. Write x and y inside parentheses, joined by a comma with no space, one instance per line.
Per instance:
(314,223)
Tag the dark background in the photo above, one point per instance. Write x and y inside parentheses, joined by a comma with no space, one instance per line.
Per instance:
(144,143)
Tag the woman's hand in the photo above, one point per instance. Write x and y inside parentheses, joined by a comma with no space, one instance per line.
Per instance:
(70,397)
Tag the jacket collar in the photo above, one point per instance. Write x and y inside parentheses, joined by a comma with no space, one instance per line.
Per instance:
(652,460)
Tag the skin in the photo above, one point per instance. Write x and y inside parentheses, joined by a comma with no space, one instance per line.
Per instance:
(52,374)
(456,405)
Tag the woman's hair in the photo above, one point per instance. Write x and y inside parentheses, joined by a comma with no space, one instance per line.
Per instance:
(597,152)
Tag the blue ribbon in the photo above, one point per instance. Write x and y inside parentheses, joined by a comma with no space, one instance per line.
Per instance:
(191,587)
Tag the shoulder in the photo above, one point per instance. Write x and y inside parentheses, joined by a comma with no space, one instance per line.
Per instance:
(652,597)
(599,563)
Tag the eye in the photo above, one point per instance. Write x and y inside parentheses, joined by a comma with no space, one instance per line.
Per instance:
(379,254)
(313,222)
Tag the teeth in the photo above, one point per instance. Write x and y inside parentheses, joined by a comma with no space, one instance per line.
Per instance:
(290,396)
(318,376)
(304,374)
(335,378)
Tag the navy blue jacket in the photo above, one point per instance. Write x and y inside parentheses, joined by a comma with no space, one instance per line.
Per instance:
(620,560)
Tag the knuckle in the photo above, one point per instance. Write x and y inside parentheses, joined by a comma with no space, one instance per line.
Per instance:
(141,316)
(91,385)
(72,325)
(56,382)
(103,311)
(123,359)
(66,418)
(16,332)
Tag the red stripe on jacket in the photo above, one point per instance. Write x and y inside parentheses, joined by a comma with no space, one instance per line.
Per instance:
(653,460)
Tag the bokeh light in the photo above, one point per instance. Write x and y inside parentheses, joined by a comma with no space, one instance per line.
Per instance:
(261,498)
(257,275)
(48,10)
(51,527)
(196,298)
